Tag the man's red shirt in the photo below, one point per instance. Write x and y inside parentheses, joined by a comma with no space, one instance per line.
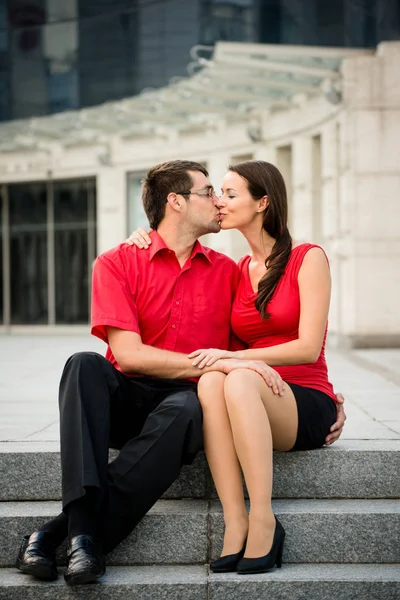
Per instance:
(173,308)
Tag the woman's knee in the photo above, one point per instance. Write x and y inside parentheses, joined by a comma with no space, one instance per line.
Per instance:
(210,388)
(241,380)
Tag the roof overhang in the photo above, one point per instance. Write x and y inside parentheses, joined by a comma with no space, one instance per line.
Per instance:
(232,81)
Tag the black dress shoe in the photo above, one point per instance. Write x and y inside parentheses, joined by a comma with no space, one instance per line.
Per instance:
(227,563)
(85,560)
(248,566)
(37,556)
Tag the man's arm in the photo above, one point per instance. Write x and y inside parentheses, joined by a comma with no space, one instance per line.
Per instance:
(135,357)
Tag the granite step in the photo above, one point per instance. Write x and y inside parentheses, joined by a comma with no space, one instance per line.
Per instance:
(314,582)
(190,531)
(348,469)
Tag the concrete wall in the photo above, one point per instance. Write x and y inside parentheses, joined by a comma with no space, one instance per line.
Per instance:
(342,168)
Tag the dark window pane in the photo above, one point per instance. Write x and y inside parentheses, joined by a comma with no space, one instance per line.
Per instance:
(108,56)
(28,85)
(71,210)
(270,22)
(28,248)
(232,21)
(4,71)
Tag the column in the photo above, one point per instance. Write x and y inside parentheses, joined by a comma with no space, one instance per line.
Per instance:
(302,180)
(372,99)
(111,208)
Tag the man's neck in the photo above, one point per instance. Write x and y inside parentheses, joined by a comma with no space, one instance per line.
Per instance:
(180,242)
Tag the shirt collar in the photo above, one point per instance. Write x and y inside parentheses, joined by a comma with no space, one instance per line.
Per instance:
(158,244)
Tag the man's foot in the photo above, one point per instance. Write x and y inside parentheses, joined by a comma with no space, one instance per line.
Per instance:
(37,556)
(85,561)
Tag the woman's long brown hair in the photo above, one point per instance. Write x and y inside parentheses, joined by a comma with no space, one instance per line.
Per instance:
(264,179)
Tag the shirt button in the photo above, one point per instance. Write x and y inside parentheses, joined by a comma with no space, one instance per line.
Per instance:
(177,302)
(173,326)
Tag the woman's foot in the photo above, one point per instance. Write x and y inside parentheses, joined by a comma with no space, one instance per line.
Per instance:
(235,535)
(260,535)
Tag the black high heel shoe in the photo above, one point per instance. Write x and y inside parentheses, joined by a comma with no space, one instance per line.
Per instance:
(248,566)
(228,563)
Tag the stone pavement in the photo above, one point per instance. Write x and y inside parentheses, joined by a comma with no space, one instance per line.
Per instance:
(31,365)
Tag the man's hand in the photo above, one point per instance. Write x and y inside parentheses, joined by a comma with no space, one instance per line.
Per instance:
(270,376)
(337,428)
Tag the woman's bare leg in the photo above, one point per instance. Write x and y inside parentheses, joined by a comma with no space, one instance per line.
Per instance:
(222,460)
(260,421)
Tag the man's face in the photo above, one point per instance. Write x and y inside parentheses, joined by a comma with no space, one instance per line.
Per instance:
(202,214)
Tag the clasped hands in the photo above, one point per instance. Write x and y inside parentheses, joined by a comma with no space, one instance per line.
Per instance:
(227,361)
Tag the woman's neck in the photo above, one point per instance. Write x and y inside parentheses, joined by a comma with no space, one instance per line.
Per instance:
(260,242)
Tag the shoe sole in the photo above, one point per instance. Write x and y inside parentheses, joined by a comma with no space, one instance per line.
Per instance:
(39,572)
(81,578)
(254,571)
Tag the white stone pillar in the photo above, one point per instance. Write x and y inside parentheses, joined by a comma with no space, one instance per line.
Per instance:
(111,208)
(372,189)
(301,203)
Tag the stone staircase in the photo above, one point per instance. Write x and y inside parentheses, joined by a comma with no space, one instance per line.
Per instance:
(340,507)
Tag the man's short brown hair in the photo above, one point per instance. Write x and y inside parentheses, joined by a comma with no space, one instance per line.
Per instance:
(161,180)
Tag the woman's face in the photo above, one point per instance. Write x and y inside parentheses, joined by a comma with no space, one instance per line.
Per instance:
(237,207)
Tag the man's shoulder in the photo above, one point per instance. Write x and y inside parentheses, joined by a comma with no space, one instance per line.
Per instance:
(118,254)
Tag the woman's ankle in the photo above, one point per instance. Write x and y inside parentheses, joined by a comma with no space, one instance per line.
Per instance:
(235,535)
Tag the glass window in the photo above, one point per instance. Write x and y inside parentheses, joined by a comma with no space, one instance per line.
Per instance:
(136,215)
(4,73)
(229,20)
(28,81)
(107,50)
(270,22)
(60,42)
(28,253)
(3,25)
(74,225)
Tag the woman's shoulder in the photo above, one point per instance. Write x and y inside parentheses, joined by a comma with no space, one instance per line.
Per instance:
(306,252)
(303,248)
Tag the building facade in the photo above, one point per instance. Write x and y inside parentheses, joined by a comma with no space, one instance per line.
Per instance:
(329,118)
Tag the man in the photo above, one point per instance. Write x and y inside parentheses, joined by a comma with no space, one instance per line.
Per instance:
(152,309)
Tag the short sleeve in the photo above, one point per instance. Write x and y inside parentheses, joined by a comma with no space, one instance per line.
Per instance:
(113,304)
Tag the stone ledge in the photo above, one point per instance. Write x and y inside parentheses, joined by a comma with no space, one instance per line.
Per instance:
(325,531)
(315,582)
(190,532)
(173,532)
(348,469)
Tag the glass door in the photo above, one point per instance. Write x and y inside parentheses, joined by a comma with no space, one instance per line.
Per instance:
(47,248)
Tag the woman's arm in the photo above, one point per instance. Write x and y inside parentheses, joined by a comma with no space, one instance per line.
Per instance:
(315,291)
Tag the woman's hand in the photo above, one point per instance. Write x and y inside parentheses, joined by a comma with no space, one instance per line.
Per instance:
(139,238)
(206,358)
(270,376)
(337,428)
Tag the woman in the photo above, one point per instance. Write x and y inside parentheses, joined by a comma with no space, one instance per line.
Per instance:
(280,312)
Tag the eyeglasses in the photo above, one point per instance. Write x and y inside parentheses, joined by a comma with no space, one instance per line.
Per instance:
(210,192)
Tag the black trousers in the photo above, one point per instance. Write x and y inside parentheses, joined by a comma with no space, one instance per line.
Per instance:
(156,424)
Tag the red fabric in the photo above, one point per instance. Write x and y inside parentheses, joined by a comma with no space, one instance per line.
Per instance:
(283,325)
(147,292)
